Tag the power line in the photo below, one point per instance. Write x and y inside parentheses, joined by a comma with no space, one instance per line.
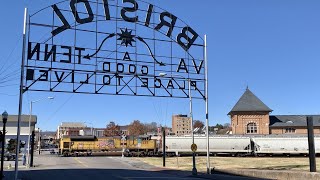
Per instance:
(4,64)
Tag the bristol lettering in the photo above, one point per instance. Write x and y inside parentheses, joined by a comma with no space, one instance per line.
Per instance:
(117,48)
(167,20)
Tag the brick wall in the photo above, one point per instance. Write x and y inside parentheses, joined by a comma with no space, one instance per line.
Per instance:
(240,120)
(298,130)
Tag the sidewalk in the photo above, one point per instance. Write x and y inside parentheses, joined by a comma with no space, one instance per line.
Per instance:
(216,176)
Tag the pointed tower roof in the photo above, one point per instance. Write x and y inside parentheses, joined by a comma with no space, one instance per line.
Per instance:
(249,102)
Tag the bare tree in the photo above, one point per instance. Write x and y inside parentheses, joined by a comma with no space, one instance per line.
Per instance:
(136,128)
(151,127)
(198,124)
(112,129)
(226,125)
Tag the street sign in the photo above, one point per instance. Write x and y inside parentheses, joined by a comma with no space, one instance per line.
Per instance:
(194,147)
(123,140)
(123,137)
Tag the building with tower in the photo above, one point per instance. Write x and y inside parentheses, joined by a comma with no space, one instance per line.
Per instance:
(251,116)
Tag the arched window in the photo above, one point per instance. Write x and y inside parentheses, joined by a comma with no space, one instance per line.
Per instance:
(252,128)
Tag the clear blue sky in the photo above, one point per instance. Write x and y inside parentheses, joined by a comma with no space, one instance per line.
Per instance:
(272,46)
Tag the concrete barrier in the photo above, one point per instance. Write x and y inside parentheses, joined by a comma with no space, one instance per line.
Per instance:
(272,174)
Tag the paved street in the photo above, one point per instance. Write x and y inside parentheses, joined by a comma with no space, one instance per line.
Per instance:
(52,167)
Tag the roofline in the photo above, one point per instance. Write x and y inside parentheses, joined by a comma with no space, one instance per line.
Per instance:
(291,126)
(249,111)
(295,115)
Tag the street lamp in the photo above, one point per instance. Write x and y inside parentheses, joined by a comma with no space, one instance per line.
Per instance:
(194,169)
(4,120)
(29,134)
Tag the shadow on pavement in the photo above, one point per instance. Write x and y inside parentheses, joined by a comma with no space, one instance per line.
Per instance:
(117,174)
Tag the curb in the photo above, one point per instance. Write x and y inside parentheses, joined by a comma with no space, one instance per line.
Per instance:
(272,174)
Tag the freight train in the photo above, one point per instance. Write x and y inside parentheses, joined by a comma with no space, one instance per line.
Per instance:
(89,145)
(180,145)
(242,145)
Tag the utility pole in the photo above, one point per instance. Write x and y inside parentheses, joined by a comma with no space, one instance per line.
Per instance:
(39,140)
(164,147)
(21,92)
(32,148)
(312,154)
(4,121)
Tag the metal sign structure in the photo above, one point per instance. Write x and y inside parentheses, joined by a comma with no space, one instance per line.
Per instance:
(114,47)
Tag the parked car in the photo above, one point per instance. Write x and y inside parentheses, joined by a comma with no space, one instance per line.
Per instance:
(52,151)
(9,156)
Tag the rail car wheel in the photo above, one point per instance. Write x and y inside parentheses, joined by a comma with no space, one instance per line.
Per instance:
(150,154)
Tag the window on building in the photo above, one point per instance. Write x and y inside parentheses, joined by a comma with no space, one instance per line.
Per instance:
(290,130)
(252,128)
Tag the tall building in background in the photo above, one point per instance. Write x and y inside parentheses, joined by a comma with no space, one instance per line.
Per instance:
(181,124)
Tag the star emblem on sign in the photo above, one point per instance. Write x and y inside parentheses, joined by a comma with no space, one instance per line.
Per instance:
(126,37)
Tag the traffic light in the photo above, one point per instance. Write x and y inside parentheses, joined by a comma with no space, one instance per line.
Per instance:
(22,144)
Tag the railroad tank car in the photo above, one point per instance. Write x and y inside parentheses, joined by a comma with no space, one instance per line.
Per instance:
(234,145)
(286,145)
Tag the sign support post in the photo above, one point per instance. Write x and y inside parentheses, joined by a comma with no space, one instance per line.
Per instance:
(207,103)
(312,154)
(21,93)
(194,169)
(163,147)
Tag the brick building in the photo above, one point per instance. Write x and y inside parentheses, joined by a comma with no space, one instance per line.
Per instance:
(251,116)
(70,129)
(181,124)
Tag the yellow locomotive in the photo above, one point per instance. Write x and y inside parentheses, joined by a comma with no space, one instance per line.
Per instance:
(89,145)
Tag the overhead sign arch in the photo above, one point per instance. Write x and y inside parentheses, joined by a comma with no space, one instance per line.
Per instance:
(126,47)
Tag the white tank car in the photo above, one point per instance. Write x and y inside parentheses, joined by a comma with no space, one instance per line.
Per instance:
(217,144)
(283,145)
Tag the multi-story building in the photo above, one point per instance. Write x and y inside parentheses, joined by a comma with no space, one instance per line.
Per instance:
(181,124)
(25,129)
(70,129)
(99,132)
(251,116)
